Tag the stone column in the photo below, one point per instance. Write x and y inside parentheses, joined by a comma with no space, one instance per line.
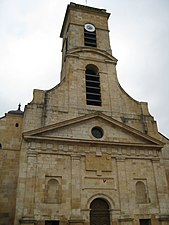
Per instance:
(122,186)
(76,191)
(30,186)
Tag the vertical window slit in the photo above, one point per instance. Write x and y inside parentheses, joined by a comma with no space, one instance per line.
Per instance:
(90,38)
(93,92)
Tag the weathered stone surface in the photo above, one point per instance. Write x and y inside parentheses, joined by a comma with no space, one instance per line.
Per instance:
(53,168)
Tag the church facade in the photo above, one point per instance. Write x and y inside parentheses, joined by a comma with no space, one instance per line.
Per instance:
(84,152)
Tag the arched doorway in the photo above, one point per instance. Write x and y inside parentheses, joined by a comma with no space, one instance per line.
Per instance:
(99,212)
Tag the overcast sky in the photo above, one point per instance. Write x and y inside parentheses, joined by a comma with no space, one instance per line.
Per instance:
(30,50)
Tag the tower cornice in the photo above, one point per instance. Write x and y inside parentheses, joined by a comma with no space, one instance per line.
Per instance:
(74,6)
(105,54)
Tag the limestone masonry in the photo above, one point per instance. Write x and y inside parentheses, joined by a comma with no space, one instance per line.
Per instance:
(84,152)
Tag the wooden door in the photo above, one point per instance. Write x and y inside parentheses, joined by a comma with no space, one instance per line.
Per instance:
(99,212)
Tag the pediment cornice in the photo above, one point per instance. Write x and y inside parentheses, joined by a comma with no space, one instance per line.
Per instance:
(44,132)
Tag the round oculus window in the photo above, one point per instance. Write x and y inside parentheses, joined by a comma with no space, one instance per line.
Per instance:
(89,27)
(97,132)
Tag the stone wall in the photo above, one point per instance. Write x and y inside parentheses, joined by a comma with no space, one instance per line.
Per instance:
(10,140)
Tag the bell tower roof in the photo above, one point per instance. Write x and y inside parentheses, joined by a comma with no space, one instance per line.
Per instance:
(87,9)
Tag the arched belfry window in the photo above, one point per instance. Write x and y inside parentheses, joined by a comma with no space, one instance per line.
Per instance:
(90,35)
(99,212)
(141,193)
(93,92)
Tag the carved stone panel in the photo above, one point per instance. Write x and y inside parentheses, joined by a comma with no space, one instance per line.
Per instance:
(98,163)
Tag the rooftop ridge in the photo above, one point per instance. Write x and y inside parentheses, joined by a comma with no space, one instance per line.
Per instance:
(88,7)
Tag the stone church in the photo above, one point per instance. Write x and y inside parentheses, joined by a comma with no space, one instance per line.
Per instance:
(84,152)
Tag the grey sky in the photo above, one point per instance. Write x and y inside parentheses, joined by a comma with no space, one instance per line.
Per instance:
(30,50)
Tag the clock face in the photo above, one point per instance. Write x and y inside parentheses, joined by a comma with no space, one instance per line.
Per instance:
(89,27)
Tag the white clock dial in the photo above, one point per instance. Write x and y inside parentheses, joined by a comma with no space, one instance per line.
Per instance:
(89,27)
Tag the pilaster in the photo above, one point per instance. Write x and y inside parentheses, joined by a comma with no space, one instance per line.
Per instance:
(30,186)
(122,185)
(161,186)
(76,190)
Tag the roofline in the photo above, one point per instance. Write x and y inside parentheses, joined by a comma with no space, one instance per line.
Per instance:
(90,116)
(164,136)
(82,141)
(73,5)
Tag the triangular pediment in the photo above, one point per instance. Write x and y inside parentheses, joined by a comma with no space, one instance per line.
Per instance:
(79,130)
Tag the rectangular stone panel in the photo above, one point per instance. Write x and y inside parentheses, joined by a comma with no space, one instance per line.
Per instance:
(101,163)
(99,183)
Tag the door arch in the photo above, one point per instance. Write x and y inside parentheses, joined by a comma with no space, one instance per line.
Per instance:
(99,212)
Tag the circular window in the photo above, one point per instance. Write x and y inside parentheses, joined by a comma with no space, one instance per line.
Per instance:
(97,132)
(89,27)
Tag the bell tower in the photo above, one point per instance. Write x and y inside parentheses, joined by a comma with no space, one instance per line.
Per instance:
(85,26)
(84,29)
(89,80)
(87,56)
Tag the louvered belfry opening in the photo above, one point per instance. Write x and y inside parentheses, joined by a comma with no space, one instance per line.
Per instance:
(90,38)
(99,212)
(93,92)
